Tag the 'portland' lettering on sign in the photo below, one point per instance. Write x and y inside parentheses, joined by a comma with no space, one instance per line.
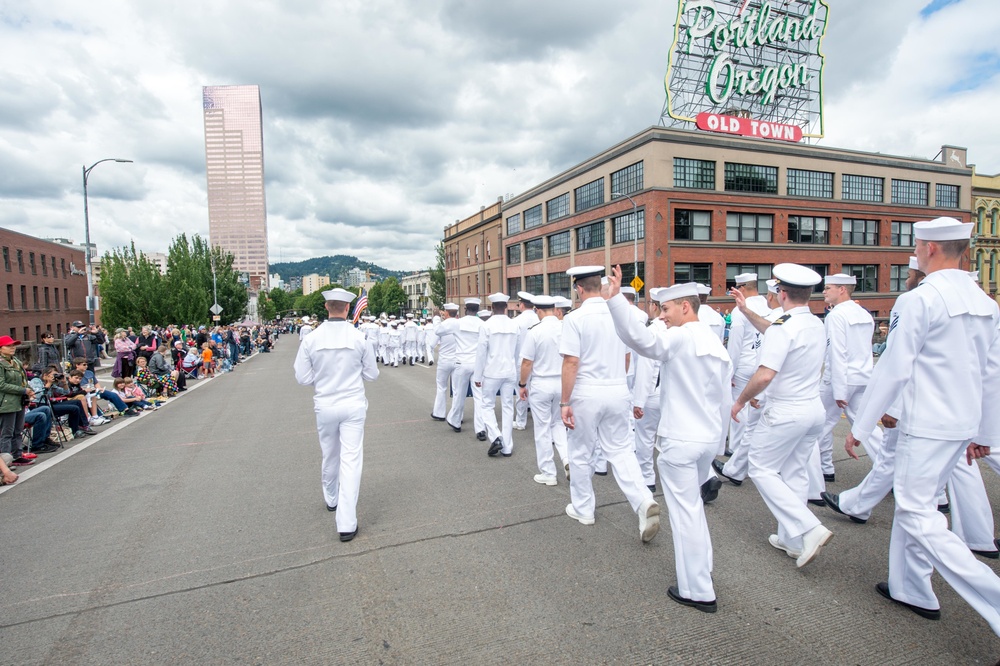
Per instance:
(760,129)
(757,28)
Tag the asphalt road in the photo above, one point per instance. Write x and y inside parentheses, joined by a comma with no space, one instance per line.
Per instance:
(198,534)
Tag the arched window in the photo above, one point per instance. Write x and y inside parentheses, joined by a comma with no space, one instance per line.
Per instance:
(488,251)
(489,281)
(477,253)
(468,255)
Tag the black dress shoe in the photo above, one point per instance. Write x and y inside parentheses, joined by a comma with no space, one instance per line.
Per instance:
(347,536)
(703,606)
(437,418)
(652,488)
(331,508)
(481,435)
(830,478)
(710,490)
(601,473)
(728,453)
(944,508)
(929,613)
(718,465)
(817,502)
(833,501)
(456,428)
(988,554)
(507,455)
(495,448)
(430,363)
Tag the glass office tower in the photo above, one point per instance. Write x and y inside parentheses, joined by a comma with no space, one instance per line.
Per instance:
(234,164)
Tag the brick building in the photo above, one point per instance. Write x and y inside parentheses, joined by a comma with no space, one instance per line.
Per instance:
(46,286)
(473,257)
(719,205)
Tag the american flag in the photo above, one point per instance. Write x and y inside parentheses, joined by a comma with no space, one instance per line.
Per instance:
(360,306)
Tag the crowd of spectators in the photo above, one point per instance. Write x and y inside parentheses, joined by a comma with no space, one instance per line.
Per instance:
(59,397)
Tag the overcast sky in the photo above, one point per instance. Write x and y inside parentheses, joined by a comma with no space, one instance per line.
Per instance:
(385,120)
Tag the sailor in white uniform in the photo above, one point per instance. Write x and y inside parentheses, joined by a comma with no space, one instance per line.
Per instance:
(595,405)
(445,338)
(306,328)
(709,315)
(466,341)
(540,385)
(744,344)
(791,361)
(945,341)
(409,334)
(696,375)
(524,320)
(430,339)
(848,364)
(336,360)
(496,372)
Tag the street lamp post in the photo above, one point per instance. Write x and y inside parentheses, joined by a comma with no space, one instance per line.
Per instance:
(86,228)
(635,214)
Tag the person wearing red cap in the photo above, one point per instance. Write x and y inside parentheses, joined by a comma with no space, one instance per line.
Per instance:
(14,395)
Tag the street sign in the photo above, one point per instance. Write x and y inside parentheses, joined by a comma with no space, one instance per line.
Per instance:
(216,318)
(637,283)
(216,309)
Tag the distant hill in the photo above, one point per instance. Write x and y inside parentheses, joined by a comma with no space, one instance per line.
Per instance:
(331,266)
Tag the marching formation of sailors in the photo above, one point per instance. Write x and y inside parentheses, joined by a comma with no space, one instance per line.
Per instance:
(607,386)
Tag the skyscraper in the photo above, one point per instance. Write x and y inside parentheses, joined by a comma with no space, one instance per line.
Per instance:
(234,164)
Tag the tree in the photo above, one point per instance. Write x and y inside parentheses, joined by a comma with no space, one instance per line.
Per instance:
(266,308)
(283,301)
(190,287)
(387,296)
(312,304)
(131,289)
(437,278)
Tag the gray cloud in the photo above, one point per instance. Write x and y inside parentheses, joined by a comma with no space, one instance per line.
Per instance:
(385,120)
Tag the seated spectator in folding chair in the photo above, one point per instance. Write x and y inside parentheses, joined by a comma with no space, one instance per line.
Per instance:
(158,366)
(39,418)
(49,392)
(77,391)
(191,363)
(207,360)
(132,395)
(176,360)
(147,379)
(95,390)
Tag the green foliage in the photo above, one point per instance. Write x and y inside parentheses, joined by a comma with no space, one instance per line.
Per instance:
(312,305)
(134,293)
(386,296)
(131,289)
(266,308)
(437,277)
(283,301)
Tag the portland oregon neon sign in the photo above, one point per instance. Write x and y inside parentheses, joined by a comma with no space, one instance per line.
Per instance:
(758,61)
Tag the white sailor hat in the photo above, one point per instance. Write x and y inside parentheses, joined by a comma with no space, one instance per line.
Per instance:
(840,279)
(473,301)
(409,315)
(338,294)
(772,286)
(683,290)
(563,302)
(484,314)
(744,278)
(943,229)
(578,272)
(451,306)
(795,275)
(498,297)
(628,290)
(525,296)
(914,266)
(704,290)
(391,317)
(543,301)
